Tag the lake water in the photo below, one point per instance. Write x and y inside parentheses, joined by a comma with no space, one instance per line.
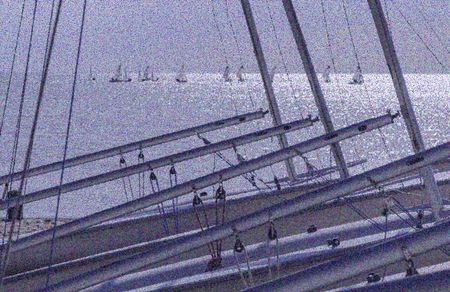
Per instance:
(107,115)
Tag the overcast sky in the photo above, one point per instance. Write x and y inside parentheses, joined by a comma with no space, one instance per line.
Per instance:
(166,33)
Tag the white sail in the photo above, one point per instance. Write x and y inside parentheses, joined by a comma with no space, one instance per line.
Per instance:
(153,77)
(125,74)
(326,74)
(226,74)
(146,71)
(91,75)
(181,76)
(239,74)
(272,74)
(118,74)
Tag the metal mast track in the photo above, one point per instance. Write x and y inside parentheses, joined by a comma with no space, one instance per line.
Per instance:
(212,126)
(404,100)
(273,105)
(438,235)
(205,181)
(159,162)
(368,259)
(314,84)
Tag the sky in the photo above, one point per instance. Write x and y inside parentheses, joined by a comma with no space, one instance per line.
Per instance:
(166,33)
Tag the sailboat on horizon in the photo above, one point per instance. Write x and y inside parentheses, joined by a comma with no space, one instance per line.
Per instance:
(326,75)
(240,74)
(146,77)
(226,74)
(357,77)
(181,76)
(120,75)
(91,75)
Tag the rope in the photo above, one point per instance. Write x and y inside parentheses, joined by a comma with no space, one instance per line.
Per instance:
(66,146)
(12,69)
(174,182)
(428,23)
(429,49)
(121,161)
(33,129)
(4,256)
(48,31)
(340,88)
(283,60)
(155,188)
(239,49)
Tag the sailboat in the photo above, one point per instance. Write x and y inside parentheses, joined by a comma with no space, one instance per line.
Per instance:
(181,76)
(226,74)
(301,227)
(146,77)
(326,74)
(273,72)
(120,76)
(357,77)
(91,75)
(240,74)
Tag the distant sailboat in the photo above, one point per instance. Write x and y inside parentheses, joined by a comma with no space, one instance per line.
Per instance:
(272,74)
(139,75)
(326,74)
(226,74)
(145,76)
(357,77)
(91,75)
(120,76)
(181,76)
(240,74)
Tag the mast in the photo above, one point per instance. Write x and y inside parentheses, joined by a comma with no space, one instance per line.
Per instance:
(315,86)
(273,105)
(404,100)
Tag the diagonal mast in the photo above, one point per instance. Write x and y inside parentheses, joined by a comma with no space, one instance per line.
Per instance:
(314,83)
(404,100)
(273,105)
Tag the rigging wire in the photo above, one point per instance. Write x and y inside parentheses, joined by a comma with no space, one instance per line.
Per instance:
(429,49)
(19,117)
(339,86)
(238,47)
(28,153)
(430,26)
(224,53)
(66,146)
(280,52)
(283,59)
(13,61)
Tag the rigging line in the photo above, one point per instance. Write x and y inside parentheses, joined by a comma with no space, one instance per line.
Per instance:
(422,14)
(221,38)
(280,51)
(33,130)
(16,139)
(222,46)
(66,146)
(333,64)
(8,87)
(418,35)
(18,123)
(366,91)
(48,32)
(239,49)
